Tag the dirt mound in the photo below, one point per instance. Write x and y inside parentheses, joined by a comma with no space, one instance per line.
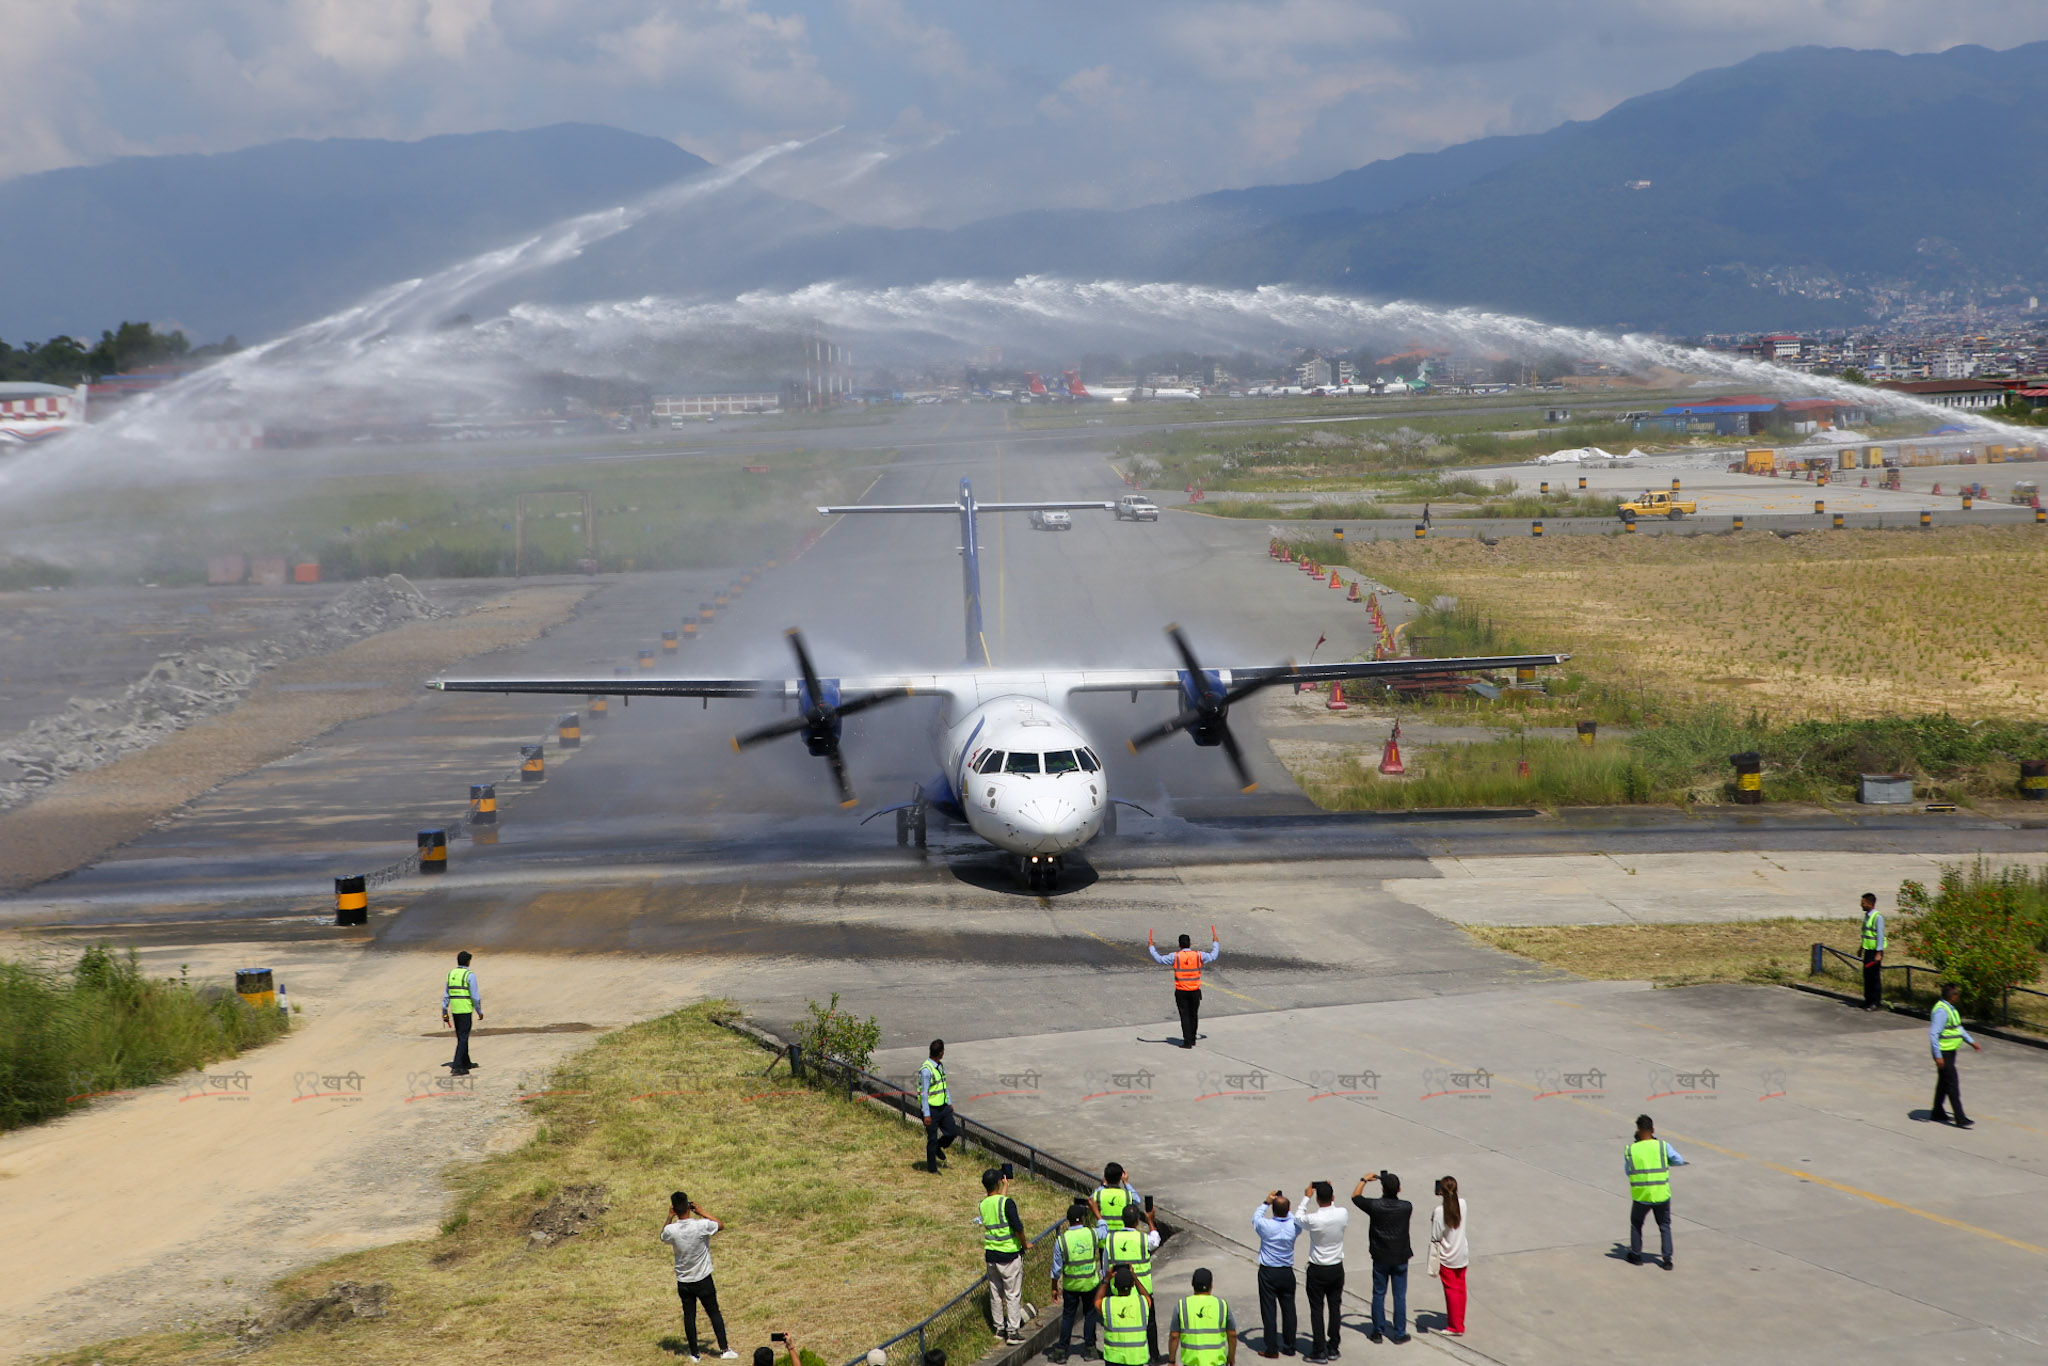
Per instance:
(572,1210)
(343,1301)
(180,689)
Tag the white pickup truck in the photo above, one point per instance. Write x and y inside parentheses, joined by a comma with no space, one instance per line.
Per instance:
(1052,519)
(1136,507)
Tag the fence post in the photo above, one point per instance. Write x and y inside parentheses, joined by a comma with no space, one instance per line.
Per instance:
(796,1060)
(1819,953)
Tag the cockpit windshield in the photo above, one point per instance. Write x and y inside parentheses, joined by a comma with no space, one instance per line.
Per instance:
(1062,761)
(1021,763)
(991,761)
(1089,763)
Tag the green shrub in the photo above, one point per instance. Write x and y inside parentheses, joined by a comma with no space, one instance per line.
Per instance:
(835,1037)
(1980,926)
(102,1026)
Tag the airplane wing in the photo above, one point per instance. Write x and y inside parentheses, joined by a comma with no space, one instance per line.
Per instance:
(785,689)
(1142,680)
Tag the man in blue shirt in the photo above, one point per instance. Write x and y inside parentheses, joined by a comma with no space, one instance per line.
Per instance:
(461,1006)
(1648,1162)
(935,1100)
(1277,1229)
(1945,1038)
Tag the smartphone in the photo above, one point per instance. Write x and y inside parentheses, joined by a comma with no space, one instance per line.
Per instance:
(1148,1204)
(778,1337)
(1009,1171)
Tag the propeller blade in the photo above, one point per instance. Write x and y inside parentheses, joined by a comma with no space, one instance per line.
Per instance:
(1245,781)
(1187,657)
(838,762)
(803,664)
(1164,729)
(789,726)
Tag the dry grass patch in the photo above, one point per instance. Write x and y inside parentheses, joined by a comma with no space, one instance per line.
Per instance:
(1673,955)
(1827,624)
(831,1232)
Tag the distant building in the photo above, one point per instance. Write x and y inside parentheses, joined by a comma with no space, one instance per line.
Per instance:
(1781,346)
(714,405)
(1951,393)
(35,412)
(1753,415)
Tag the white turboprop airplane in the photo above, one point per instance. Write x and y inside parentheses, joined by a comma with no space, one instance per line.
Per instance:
(1012,766)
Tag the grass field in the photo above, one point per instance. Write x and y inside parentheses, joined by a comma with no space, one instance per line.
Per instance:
(831,1233)
(1674,955)
(1820,625)
(653,511)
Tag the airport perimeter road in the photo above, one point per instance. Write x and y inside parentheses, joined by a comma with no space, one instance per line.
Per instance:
(1820,1218)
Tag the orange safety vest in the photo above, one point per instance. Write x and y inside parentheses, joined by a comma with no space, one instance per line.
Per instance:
(1187,970)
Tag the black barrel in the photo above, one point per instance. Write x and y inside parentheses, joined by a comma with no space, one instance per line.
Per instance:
(433,851)
(351,901)
(2034,780)
(1749,777)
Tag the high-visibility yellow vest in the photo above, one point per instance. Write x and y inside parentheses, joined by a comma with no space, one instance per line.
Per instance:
(1078,1269)
(1649,1175)
(1870,931)
(458,992)
(996,1234)
(1123,1330)
(1127,1248)
(1199,1321)
(1111,1202)
(1951,1021)
(937,1091)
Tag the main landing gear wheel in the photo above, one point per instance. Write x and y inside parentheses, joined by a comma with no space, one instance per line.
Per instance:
(910,827)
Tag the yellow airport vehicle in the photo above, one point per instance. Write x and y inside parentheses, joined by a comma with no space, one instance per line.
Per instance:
(1659,504)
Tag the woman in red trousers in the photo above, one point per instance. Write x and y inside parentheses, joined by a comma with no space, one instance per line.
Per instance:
(1449,1254)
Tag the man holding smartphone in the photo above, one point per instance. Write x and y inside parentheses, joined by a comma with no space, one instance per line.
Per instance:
(688,1231)
(1003,1242)
(1278,1231)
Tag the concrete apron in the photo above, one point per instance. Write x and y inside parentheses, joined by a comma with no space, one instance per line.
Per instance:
(1820,1212)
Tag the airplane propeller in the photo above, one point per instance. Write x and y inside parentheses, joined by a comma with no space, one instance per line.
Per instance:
(1208,720)
(819,723)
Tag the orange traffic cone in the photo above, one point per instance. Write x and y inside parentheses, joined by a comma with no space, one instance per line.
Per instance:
(1335,582)
(1337,702)
(1355,595)
(1390,760)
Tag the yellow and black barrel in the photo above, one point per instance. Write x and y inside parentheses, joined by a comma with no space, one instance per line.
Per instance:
(598,705)
(1336,533)
(721,599)
(1969,501)
(1525,675)
(569,731)
(1675,485)
(706,611)
(1839,523)
(1589,731)
(1421,530)
(1820,505)
(433,851)
(647,659)
(1582,481)
(1543,487)
(689,628)
(1749,777)
(746,578)
(1536,528)
(670,642)
(2041,516)
(1629,526)
(1926,518)
(257,987)
(2034,780)
(483,803)
(533,764)
(351,901)
(1738,522)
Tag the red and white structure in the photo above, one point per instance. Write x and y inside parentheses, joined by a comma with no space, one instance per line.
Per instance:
(36,412)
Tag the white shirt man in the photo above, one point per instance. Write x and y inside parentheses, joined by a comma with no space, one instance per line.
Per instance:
(1325,1221)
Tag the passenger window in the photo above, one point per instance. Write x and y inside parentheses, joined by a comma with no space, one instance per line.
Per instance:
(991,762)
(1062,761)
(1089,763)
(1022,763)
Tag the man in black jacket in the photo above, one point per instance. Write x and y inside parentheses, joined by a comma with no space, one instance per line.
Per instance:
(1387,1243)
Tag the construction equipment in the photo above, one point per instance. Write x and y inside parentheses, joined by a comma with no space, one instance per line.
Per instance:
(1659,504)
(2026,493)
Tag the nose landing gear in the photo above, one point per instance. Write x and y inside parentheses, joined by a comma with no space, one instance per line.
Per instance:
(910,826)
(1039,872)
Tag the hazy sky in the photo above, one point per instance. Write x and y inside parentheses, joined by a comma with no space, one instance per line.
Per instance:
(981,107)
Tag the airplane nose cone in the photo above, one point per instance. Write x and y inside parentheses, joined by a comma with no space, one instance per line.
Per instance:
(1046,824)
